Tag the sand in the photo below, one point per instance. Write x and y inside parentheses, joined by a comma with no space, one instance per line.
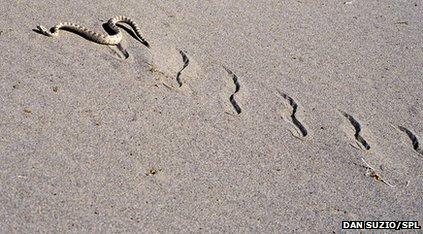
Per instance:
(267,133)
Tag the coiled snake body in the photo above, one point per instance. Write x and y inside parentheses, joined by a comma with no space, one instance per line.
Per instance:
(113,39)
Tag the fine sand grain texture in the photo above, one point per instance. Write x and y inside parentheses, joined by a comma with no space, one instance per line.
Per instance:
(284,116)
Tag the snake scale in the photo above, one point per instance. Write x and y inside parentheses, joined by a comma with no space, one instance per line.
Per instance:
(113,39)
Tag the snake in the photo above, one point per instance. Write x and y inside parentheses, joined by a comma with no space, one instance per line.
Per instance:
(113,38)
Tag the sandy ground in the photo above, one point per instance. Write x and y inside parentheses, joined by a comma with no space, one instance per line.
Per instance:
(280,104)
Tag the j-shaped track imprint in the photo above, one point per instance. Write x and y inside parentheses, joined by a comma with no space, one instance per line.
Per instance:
(237,88)
(302,130)
(186,62)
(413,138)
(357,127)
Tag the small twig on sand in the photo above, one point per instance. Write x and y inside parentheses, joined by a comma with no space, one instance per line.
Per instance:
(367,165)
(372,173)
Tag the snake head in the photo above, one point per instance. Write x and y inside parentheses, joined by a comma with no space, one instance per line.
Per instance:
(44,30)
